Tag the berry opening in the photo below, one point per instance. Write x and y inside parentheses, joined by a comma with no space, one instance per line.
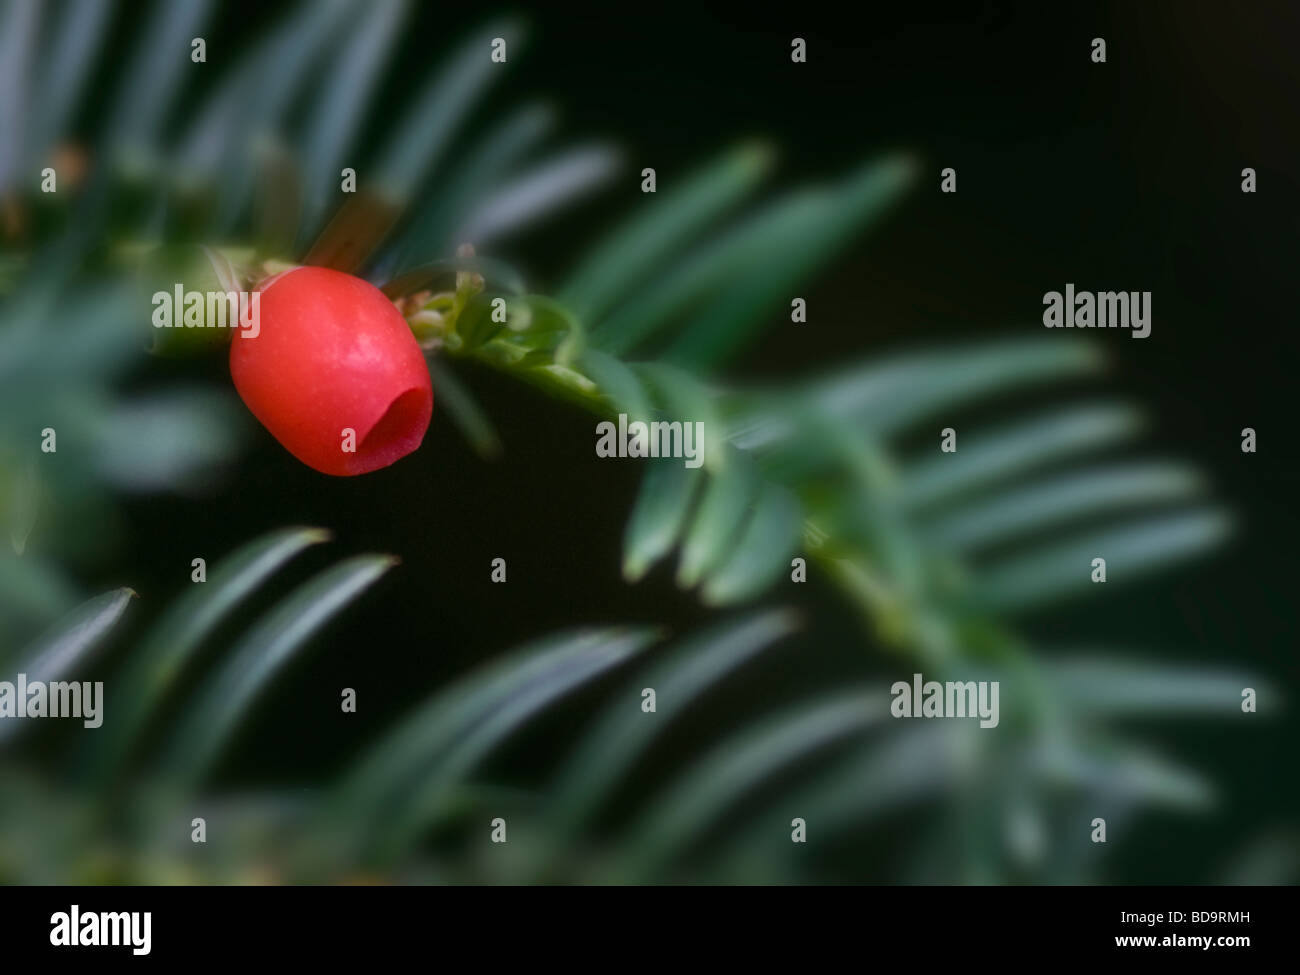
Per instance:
(397,433)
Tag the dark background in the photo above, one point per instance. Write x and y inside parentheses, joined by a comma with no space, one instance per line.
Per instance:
(1124,175)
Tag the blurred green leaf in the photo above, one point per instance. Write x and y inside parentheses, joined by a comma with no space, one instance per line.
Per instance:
(484,166)
(907,767)
(1016,512)
(1270,860)
(68,644)
(983,459)
(889,396)
(767,543)
(506,714)
(68,58)
(387,769)
(269,77)
(663,223)
(659,514)
(619,383)
(153,668)
(644,313)
(21,495)
(168,439)
(423,136)
(727,500)
(18,28)
(335,116)
(730,771)
(1022,582)
(153,73)
(34,593)
(1100,685)
(1121,770)
(544,188)
(685,399)
(623,732)
(223,699)
(785,256)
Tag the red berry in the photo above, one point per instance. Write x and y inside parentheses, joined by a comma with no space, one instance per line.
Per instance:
(333,356)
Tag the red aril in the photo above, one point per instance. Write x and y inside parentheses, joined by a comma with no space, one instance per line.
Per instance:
(333,372)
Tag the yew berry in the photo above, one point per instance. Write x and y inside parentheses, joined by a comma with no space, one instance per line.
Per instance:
(333,372)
